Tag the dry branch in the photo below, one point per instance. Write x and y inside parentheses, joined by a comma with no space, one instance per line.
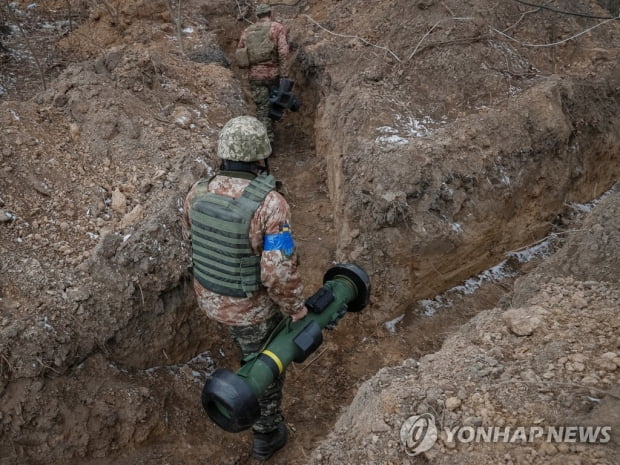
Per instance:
(347,36)
(70,14)
(27,42)
(552,44)
(111,11)
(431,30)
(176,19)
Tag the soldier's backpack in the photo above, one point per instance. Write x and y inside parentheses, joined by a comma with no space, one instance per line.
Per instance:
(259,46)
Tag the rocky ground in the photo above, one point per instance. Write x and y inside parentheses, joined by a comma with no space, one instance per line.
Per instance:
(435,141)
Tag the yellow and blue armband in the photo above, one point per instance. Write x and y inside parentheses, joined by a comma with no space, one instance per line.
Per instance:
(283,241)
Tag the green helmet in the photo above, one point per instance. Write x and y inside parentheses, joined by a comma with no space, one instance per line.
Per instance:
(244,138)
(262,9)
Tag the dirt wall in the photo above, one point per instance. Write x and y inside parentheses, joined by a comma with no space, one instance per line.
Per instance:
(423,167)
(547,358)
(464,149)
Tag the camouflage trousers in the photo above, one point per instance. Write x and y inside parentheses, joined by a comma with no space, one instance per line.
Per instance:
(260,94)
(250,339)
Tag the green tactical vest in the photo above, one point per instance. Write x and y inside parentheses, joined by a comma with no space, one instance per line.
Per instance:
(222,254)
(259,46)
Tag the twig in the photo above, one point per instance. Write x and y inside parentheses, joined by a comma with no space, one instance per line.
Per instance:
(453,41)
(6,361)
(447,8)
(46,366)
(552,49)
(177,23)
(158,118)
(431,30)
(70,15)
(347,36)
(13,447)
(554,43)
(550,236)
(242,14)
(436,270)
(111,11)
(141,293)
(521,19)
(564,12)
(558,383)
(315,359)
(28,45)
(179,30)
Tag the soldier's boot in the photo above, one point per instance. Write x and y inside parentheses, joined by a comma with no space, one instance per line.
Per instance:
(266,444)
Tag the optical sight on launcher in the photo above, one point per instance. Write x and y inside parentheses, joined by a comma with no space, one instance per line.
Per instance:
(282,98)
(231,399)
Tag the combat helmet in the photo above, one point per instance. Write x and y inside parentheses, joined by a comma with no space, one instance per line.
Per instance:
(244,138)
(263,9)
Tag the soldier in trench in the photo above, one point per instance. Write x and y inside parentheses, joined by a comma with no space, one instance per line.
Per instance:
(237,221)
(263,47)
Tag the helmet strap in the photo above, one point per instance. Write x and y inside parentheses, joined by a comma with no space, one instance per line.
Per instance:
(247,167)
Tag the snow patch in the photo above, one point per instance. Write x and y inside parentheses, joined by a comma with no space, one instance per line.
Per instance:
(405,127)
(391,325)
(416,127)
(586,207)
(395,140)
(495,274)
(182,120)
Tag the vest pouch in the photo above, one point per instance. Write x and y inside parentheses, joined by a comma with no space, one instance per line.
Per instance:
(250,274)
(241,56)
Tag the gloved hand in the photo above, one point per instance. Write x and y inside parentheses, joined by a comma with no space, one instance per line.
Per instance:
(300,314)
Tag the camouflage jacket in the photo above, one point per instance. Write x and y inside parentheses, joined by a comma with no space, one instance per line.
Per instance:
(270,70)
(282,289)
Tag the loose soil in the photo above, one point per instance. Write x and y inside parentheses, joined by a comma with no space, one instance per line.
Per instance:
(429,148)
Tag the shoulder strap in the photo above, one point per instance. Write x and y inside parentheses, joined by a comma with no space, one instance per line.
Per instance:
(255,192)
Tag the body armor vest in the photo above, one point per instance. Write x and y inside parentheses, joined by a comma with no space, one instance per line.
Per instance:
(222,255)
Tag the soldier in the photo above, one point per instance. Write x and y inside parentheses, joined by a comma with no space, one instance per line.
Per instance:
(263,48)
(244,260)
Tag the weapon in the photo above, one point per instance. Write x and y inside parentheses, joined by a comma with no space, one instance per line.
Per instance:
(231,399)
(282,98)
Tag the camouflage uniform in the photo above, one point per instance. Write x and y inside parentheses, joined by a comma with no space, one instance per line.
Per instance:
(261,90)
(252,319)
(265,76)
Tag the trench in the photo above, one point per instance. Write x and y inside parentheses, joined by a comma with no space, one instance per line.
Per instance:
(171,427)
(318,390)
